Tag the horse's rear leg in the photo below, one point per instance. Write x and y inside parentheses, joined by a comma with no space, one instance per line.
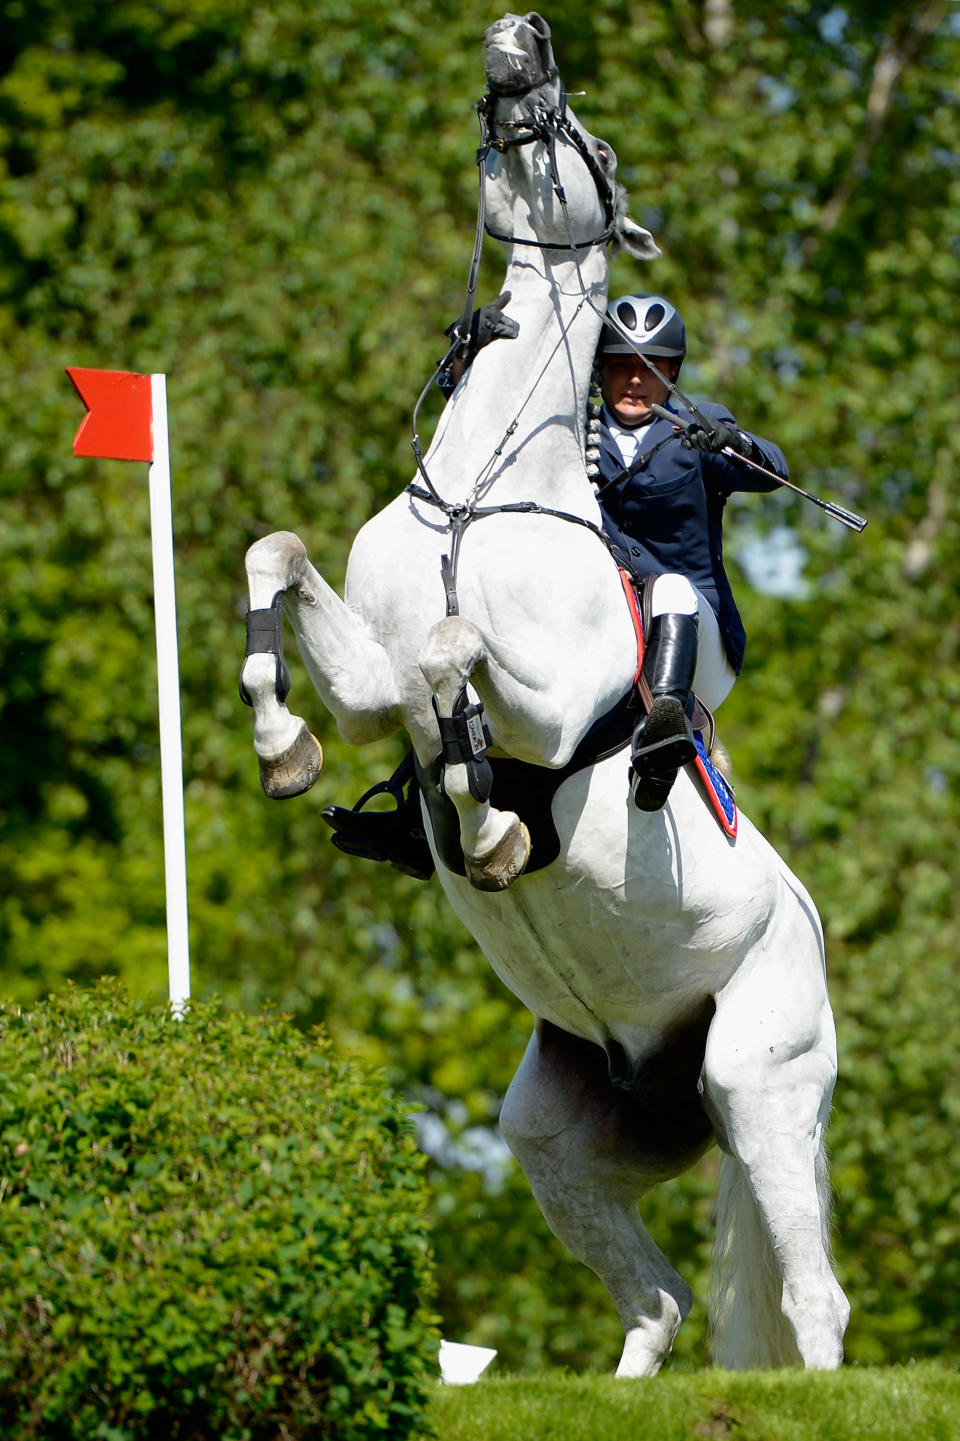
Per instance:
(589,1154)
(496,844)
(768,1079)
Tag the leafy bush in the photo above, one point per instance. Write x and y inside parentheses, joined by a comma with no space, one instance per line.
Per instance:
(209,1228)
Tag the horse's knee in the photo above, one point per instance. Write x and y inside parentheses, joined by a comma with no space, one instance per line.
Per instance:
(276,561)
(453,649)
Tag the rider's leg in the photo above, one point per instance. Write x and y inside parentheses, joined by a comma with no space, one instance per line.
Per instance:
(714,677)
(663,741)
(684,651)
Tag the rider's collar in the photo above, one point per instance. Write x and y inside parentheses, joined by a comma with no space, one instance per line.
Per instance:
(616,428)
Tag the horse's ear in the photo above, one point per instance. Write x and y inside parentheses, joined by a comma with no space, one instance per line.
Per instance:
(636,240)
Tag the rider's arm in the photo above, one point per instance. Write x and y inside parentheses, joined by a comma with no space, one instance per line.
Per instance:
(729,474)
(486,324)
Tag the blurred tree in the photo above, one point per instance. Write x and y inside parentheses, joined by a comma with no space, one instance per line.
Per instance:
(274,205)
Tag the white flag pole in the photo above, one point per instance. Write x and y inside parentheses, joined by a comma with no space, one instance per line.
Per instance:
(168,684)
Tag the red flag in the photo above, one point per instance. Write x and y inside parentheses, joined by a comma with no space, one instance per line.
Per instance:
(119,420)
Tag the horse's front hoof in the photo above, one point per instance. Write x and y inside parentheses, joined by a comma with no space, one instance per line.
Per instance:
(499,867)
(294,770)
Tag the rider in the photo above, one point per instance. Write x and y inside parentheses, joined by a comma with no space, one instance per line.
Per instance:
(662,489)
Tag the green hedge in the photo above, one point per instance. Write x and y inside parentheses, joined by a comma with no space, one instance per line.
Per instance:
(209,1230)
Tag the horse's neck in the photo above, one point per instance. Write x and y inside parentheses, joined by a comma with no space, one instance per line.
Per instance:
(541,379)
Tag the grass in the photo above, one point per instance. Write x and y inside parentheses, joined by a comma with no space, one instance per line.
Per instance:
(900,1403)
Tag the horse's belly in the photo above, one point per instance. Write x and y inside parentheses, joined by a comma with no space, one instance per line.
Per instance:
(640,919)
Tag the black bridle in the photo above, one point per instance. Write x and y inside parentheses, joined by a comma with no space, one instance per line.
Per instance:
(544,123)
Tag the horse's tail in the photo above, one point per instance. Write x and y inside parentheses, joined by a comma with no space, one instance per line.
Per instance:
(749,1328)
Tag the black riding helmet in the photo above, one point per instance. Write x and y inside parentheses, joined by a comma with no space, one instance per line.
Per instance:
(652,324)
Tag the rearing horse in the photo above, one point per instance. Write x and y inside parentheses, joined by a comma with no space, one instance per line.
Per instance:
(676,974)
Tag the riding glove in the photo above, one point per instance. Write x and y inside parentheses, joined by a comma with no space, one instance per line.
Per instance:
(717,438)
(486,324)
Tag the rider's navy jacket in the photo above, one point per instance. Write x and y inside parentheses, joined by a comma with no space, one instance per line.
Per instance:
(669,516)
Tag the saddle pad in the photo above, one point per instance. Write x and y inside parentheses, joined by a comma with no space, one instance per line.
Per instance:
(715,788)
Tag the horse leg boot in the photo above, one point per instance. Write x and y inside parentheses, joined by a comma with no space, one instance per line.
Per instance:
(496,844)
(290,757)
(663,741)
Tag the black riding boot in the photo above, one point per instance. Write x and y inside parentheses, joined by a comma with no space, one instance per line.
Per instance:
(663,741)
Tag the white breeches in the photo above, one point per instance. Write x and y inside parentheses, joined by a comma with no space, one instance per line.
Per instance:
(714,677)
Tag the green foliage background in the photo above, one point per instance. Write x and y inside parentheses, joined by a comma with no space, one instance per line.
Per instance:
(217,1190)
(274,205)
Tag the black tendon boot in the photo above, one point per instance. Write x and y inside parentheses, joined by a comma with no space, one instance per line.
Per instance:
(663,741)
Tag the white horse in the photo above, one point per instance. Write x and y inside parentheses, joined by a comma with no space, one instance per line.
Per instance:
(676,975)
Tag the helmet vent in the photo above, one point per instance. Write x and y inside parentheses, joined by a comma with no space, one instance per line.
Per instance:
(653,317)
(627,315)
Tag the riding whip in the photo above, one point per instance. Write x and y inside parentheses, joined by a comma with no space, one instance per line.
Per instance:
(846,517)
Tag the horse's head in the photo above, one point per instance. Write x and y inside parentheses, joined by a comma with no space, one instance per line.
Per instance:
(519,54)
(551,183)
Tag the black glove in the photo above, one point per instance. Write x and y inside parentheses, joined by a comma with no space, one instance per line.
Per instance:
(486,324)
(718,437)
(490,323)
